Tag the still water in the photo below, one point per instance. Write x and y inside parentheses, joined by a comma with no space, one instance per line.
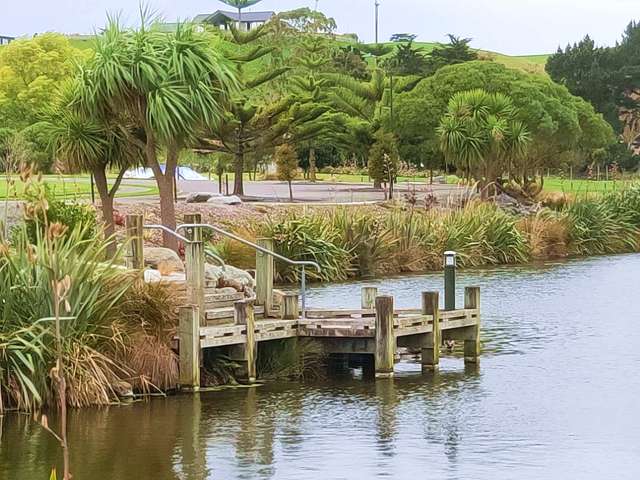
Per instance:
(556,396)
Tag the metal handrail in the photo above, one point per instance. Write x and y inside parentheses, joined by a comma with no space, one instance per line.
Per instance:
(167,230)
(300,263)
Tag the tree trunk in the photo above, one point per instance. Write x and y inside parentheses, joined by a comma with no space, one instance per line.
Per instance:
(377,184)
(165,182)
(290,191)
(431,176)
(312,164)
(106,204)
(238,169)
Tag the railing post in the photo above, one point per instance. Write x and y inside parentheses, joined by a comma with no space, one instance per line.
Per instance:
(134,258)
(369,295)
(244,315)
(264,275)
(289,309)
(189,337)
(472,341)
(431,352)
(385,337)
(194,265)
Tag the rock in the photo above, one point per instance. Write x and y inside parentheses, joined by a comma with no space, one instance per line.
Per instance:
(123,389)
(163,259)
(226,291)
(230,200)
(201,197)
(152,276)
(249,293)
(229,277)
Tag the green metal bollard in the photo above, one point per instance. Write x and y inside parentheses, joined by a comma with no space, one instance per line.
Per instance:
(449,280)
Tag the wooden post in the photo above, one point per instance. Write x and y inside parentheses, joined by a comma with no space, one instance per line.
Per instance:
(135,237)
(431,353)
(244,315)
(194,266)
(385,337)
(189,337)
(290,310)
(264,276)
(472,342)
(369,295)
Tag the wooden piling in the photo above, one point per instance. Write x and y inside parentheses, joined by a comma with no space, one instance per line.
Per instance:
(244,315)
(431,352)
(290,309)
(189,338)
(385,337)
(134,257)
(265,269)
(472,340)
(194,266)
(369,295)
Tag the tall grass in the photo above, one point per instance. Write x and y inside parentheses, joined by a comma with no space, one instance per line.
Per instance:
(373,241)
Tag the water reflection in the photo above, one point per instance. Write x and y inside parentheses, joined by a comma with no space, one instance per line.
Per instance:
(555,396)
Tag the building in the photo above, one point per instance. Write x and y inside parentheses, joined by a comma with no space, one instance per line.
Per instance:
(222,19)
(4,40)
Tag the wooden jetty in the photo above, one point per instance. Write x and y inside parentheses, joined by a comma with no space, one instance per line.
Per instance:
(210,319)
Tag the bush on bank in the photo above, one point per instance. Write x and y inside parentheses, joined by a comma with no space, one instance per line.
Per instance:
(369,241)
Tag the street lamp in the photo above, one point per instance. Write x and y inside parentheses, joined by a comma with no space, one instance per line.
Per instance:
(450,261)
(377,4)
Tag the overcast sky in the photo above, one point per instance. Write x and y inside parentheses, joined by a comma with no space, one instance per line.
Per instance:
(509,26)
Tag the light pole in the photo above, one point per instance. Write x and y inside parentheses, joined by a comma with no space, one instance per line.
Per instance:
(316,9)
(377,4)
(450,280)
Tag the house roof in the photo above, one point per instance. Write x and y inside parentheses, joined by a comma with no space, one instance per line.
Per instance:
(222,15)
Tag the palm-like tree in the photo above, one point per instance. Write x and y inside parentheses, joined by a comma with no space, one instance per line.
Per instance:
(85,141)
(168,86)
(240,4)
(480,134)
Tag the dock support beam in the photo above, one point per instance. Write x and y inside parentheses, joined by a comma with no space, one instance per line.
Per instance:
(289,309)
(134,257)
(472,340)
(265,269)
(194,266)
(431,352)
(369,295)
(189,337)
(385,337)
(246,354)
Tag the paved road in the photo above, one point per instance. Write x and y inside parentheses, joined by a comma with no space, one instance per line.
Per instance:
(325,192)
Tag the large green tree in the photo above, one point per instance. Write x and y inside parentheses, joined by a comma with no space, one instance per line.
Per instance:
(558,122)
(481,134)
(169,86)
(31,71)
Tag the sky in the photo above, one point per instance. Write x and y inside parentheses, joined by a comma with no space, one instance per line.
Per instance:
(516,27)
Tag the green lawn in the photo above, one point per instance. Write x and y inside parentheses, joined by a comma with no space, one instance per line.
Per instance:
(74,187)
(581,186)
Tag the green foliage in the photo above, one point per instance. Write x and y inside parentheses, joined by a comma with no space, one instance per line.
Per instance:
(30,73)
(603,75)
(309,238)
(298,359)
(456,51)
(481,135)
(558,122)
(406,60)
(597,228)
(383,158)
(286,162)
(42,204)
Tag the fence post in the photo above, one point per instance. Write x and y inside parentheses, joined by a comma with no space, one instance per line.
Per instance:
(369,295)
(264,276)
(385,337)
(134,258)
(194,265)
(472,342)
(431,352)
(189,337)
(248,353)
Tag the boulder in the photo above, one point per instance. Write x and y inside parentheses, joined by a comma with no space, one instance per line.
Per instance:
(152,276)
(163,259)
(201,197)
(229,277)
(230,200)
